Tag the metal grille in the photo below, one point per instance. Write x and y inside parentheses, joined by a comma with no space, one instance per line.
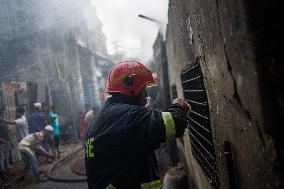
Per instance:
(199,122)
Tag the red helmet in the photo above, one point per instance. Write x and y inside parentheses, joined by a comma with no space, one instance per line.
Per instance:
(128,78)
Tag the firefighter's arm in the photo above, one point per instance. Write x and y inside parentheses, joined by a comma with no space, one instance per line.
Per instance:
(176,118)
(169,124)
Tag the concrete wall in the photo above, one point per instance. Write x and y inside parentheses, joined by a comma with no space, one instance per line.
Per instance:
(218,34)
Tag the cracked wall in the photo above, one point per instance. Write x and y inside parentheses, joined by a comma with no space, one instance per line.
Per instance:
(218,34)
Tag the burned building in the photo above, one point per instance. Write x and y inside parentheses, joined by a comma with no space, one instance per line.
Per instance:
(55,45)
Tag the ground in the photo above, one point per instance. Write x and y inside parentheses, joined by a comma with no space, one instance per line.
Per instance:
(29,182)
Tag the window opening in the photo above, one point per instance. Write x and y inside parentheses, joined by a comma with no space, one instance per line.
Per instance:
(199,122)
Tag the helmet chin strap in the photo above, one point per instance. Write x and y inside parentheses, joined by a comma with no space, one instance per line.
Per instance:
(142,97)
(135,99)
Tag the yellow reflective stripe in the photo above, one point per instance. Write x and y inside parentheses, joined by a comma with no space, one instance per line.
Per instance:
(89,148)
(169,124)
(156,184)
(110,186)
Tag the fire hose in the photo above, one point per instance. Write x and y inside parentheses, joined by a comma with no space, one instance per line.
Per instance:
(82,176)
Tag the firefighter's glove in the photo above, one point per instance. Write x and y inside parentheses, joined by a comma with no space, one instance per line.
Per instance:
(183,103)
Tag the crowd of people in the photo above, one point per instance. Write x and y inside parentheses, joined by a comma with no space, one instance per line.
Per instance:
(37,135)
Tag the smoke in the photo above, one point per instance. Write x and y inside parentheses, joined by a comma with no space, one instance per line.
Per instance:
(67,15)
(40,30)
(128,33)
(125,32)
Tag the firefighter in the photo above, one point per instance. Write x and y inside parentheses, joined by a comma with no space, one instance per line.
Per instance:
(121,141)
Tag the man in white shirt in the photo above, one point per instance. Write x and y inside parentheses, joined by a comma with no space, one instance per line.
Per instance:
(32,143)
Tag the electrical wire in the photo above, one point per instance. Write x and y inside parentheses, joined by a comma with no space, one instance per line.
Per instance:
(19,71)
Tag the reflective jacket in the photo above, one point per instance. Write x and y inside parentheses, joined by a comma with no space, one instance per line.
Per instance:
(120,144)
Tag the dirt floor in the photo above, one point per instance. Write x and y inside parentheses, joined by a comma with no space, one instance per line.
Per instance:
(29,182)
